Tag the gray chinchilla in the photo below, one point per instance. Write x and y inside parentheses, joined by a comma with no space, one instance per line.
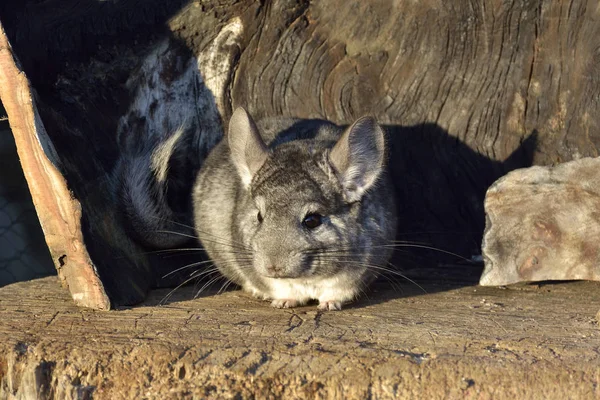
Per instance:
(295,210)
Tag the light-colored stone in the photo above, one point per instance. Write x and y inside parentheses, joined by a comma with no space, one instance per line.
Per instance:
(543,223)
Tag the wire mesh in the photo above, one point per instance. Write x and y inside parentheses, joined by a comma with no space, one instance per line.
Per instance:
(23,251)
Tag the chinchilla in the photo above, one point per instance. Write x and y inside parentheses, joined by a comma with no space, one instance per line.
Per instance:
(295,210)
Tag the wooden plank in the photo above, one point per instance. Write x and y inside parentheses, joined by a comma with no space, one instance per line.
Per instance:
(537,341)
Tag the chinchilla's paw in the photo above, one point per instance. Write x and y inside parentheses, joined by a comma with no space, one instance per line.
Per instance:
(330,305)
(285,303)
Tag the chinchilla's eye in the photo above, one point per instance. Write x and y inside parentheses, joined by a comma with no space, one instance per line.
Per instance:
(311,221)
(259,217)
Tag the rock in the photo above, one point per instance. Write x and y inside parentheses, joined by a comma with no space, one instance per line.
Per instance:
(543,223)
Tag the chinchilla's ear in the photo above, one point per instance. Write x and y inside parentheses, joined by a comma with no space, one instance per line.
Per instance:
(358,157)
(248,150)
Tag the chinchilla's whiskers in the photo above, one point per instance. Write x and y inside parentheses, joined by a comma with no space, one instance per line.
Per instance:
(225,286)
(174,250)
(339,254)
(161,251)
(208,284)
(362,291)
(196,264)
(199,274)
(385,271)
(438,233)
(349,256)
(231,242)
(420,246)
(340,250)
(176,233)
(245,264)
(393,272)
(344,259)
(393,280)
(221,241)
(213,281)
(391,245)
(168,295)
(207,273)
(192,228)
(407,241)
(241,257)
(170,221)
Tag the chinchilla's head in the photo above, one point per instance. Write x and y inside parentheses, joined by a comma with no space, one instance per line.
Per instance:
(310,208)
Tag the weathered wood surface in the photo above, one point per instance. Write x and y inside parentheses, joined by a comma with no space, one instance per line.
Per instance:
(469,90)
(523,342)
(543,223)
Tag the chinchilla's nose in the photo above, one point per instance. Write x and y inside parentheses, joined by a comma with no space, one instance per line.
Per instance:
(274,270)
(274,261)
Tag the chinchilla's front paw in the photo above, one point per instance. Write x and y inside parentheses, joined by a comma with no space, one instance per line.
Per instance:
(330,305)
(285,303)
(259,295)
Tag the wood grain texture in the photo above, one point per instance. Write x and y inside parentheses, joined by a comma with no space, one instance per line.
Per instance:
(525,342)
(488,73)
(468,90)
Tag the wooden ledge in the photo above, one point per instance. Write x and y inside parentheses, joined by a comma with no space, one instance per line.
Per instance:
(538,341)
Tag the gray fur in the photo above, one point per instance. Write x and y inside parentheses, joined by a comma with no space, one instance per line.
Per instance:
(358,157)
(248,151)
(309,166)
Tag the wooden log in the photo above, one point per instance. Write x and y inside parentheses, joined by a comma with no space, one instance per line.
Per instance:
(543,223)
(468,90)
(472,342)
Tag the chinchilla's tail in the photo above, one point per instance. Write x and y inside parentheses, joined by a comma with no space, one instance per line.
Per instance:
(153,188)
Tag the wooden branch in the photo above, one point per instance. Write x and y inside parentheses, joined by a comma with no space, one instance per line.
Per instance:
(59,213)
